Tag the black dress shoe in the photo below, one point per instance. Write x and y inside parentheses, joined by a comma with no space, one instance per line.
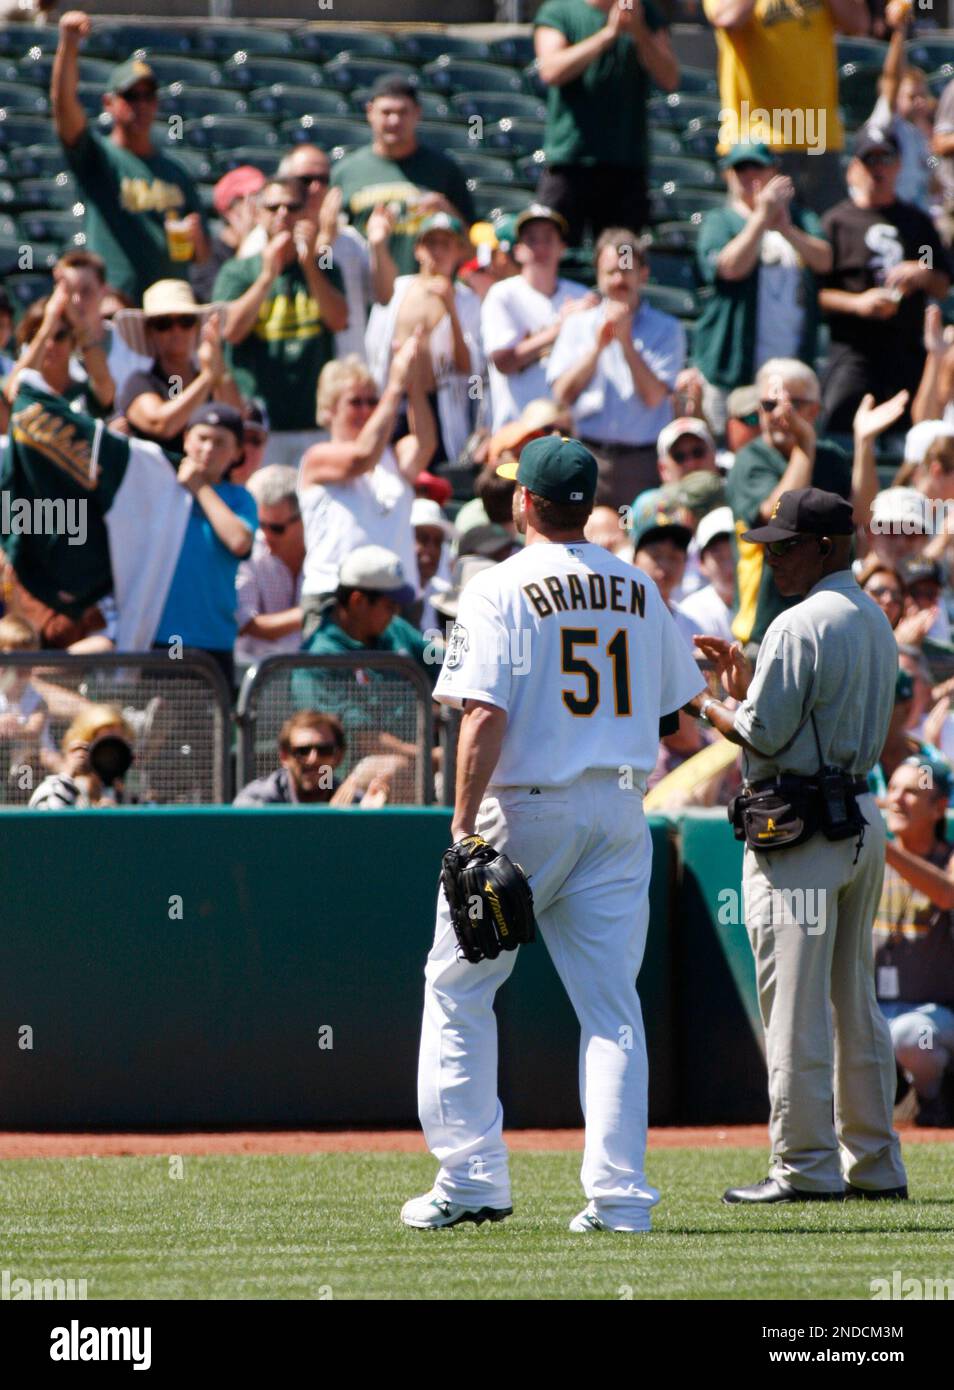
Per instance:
(876,1194)
(777,1190)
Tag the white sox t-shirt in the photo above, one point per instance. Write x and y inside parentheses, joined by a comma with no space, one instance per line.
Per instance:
(579,649)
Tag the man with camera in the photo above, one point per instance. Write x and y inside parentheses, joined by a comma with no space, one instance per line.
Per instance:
(97,754)
(812,720)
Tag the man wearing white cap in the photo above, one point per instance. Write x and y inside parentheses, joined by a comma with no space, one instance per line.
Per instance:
(710,608)
(521,317)
(900,523)
(432,535)
(685,446)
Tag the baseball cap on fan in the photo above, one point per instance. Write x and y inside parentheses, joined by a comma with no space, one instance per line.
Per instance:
(555,467)
(126,75)
(376,569)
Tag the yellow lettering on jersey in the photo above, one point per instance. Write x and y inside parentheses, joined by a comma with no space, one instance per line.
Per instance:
(616,594)
(577,596)
(556,593)
(57,440)
(637,598)
(149,195)
(597,591)
(284,318)
(539,600)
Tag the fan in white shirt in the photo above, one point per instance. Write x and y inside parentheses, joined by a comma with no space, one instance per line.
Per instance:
(522,316)
(709,609)
(356,490)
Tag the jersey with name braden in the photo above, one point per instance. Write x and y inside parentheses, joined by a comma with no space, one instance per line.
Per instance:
(579,650)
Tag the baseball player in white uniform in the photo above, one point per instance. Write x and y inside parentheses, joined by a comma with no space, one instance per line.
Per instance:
(567,664)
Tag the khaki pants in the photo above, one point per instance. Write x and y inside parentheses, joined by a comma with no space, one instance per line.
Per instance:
(809,914)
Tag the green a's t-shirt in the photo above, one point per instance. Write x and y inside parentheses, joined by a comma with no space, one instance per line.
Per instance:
(282,357)
(754,475)
(366,179)
(599,117)
(127,197)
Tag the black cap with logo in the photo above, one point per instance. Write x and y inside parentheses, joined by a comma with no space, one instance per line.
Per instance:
(806,511)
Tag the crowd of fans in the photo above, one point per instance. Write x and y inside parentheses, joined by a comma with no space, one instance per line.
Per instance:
(337,364)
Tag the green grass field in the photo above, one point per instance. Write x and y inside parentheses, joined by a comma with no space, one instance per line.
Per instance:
(327,1225)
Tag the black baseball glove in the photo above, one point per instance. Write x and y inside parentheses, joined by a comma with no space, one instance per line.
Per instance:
(490,900)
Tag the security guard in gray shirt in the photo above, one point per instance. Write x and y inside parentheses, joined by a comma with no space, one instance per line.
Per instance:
(812,721)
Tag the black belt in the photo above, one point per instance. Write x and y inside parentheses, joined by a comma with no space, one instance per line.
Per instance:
(858,785)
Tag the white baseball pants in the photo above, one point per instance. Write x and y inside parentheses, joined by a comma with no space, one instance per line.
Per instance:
(588,854)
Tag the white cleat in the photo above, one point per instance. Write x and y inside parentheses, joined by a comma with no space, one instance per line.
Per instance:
(431,1213)
(589,1219)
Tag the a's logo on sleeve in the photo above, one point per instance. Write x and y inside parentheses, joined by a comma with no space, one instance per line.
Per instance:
(457,647)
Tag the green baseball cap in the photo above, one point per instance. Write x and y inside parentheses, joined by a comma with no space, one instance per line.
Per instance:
(124,77)
(440,222)
(505,230)
(555,467)
(748,154)
(661,525)
(697,492)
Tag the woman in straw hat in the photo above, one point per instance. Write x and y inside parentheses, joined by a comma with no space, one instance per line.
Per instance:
(184,340)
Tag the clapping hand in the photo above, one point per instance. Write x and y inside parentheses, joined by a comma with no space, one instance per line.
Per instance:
(733,669)
(871,420)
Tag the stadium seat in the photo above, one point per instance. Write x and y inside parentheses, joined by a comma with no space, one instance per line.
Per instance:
(15,96)
(664,143)
(676,269)
(497,106)
(681,303)
(117,41)
(197,163)
(248,72)
(529,167)
(859,49)
(40,161)
(677,110)
(700,139)
(17,39)
(534,83)
(36,68)
(454,138)
(349,70)
(264,157)
(17,129)
(198,72)
(222,41)
(10,250)
(225,132)
(676,235)
(672,203)
(698,81)
(490,199)
(577,264)
(858,90)
(27,286)
(489,168)
(90,96)
(455,75)
(930,51)
(325,131)
(937,81)
(687,173)
(182,99)
(324,42)
(516,51)
(282,103)
(515,136)
(45,254)
(435,106)
(425,47)
(60,192)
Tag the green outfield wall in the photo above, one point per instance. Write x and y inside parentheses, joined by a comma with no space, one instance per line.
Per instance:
(211,967)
